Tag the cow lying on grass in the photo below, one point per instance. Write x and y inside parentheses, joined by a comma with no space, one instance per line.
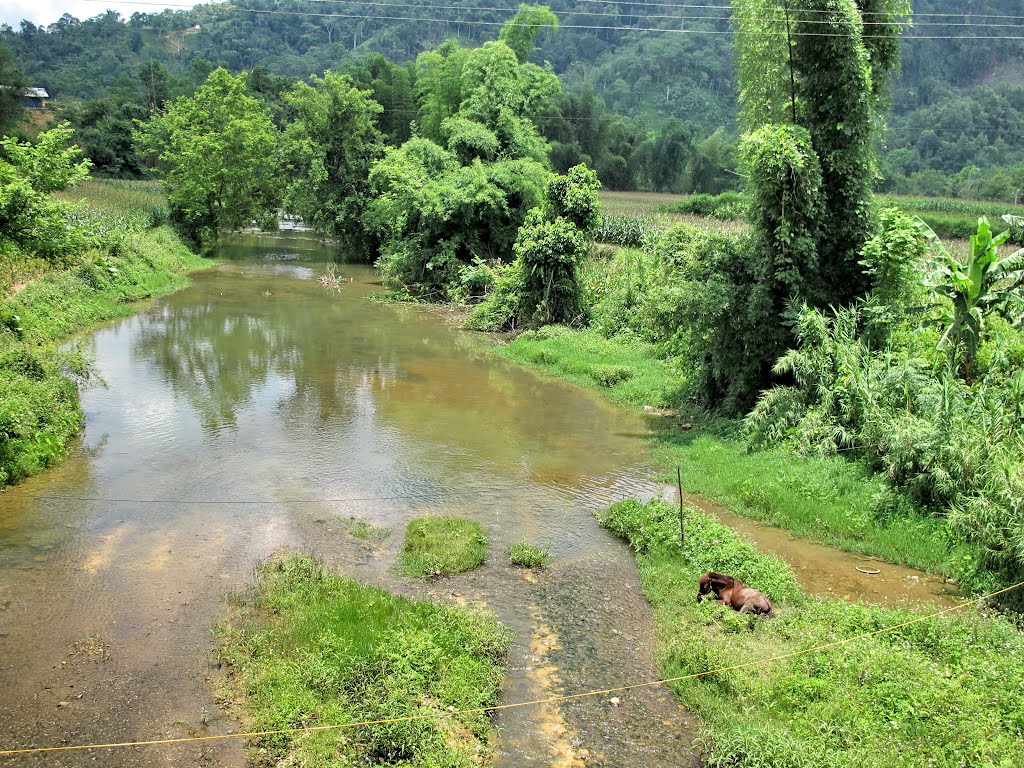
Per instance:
(730,591)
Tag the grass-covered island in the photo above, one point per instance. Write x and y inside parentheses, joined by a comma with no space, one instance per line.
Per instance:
(442,546)
(308,647)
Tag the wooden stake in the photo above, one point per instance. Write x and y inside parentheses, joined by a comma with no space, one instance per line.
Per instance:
(682,529)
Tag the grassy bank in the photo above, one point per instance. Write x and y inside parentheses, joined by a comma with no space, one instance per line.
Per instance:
(830,500)
(129,261)
(630,374)
(311,648)
(945,691)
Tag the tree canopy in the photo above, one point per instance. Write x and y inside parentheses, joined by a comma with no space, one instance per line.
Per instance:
(218,150)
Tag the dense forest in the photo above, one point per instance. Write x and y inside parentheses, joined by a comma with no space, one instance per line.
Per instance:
(649,92)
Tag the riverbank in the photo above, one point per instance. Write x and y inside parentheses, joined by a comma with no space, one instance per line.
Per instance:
(940,691)
(130,260)
(829,500)
(943,690)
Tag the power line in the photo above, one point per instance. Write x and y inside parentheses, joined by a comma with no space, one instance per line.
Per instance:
(471,9)
(587,27)
(802,10)
(477,9)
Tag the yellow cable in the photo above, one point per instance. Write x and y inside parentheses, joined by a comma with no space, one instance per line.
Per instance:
(498,707)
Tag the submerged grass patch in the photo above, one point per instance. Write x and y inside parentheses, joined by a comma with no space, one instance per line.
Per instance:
(829,500)
(364,530)
(308,647)
(439,546)
(945,691)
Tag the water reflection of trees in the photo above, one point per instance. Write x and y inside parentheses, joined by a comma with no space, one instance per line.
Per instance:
(335,362)
(219,354)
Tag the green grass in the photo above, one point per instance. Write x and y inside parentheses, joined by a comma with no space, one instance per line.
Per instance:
(39,407)
(308,647)
(629,373)
(440,546)
(148,263)
(527,555)
(656,210)
(954,218)
(829,500)
(138,201)
(942,692)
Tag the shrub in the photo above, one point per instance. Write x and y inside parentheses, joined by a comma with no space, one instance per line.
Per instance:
(951,447)
(727,206)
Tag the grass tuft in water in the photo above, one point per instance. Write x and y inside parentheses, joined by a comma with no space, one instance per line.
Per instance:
(364,530)
(941,692)
(527,555)
(312,648)
(439,546)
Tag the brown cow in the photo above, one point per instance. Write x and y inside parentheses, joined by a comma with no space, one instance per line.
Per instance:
(730,591)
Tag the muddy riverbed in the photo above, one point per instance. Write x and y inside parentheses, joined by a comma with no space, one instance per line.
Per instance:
(258,410)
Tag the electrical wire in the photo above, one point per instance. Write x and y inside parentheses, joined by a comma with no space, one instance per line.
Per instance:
(584,27)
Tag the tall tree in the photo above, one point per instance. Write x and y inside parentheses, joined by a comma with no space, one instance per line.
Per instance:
(329,148)
(218,150)
(460,190)
(522,29)
(810,63)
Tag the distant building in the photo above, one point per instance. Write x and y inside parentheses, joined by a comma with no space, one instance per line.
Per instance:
(34,97)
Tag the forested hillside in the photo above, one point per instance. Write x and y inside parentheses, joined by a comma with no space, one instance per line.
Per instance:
(957,122)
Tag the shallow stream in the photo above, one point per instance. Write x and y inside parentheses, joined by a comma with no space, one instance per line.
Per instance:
(259,409)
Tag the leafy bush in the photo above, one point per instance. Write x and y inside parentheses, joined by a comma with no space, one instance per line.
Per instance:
(542,286)
(951,447)
(727,206)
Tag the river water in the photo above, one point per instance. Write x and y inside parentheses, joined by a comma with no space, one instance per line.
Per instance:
(259,410)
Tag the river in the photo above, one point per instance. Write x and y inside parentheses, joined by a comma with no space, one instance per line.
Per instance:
(260,410)
(257,410)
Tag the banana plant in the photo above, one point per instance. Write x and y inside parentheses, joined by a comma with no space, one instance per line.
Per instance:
(986,282)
